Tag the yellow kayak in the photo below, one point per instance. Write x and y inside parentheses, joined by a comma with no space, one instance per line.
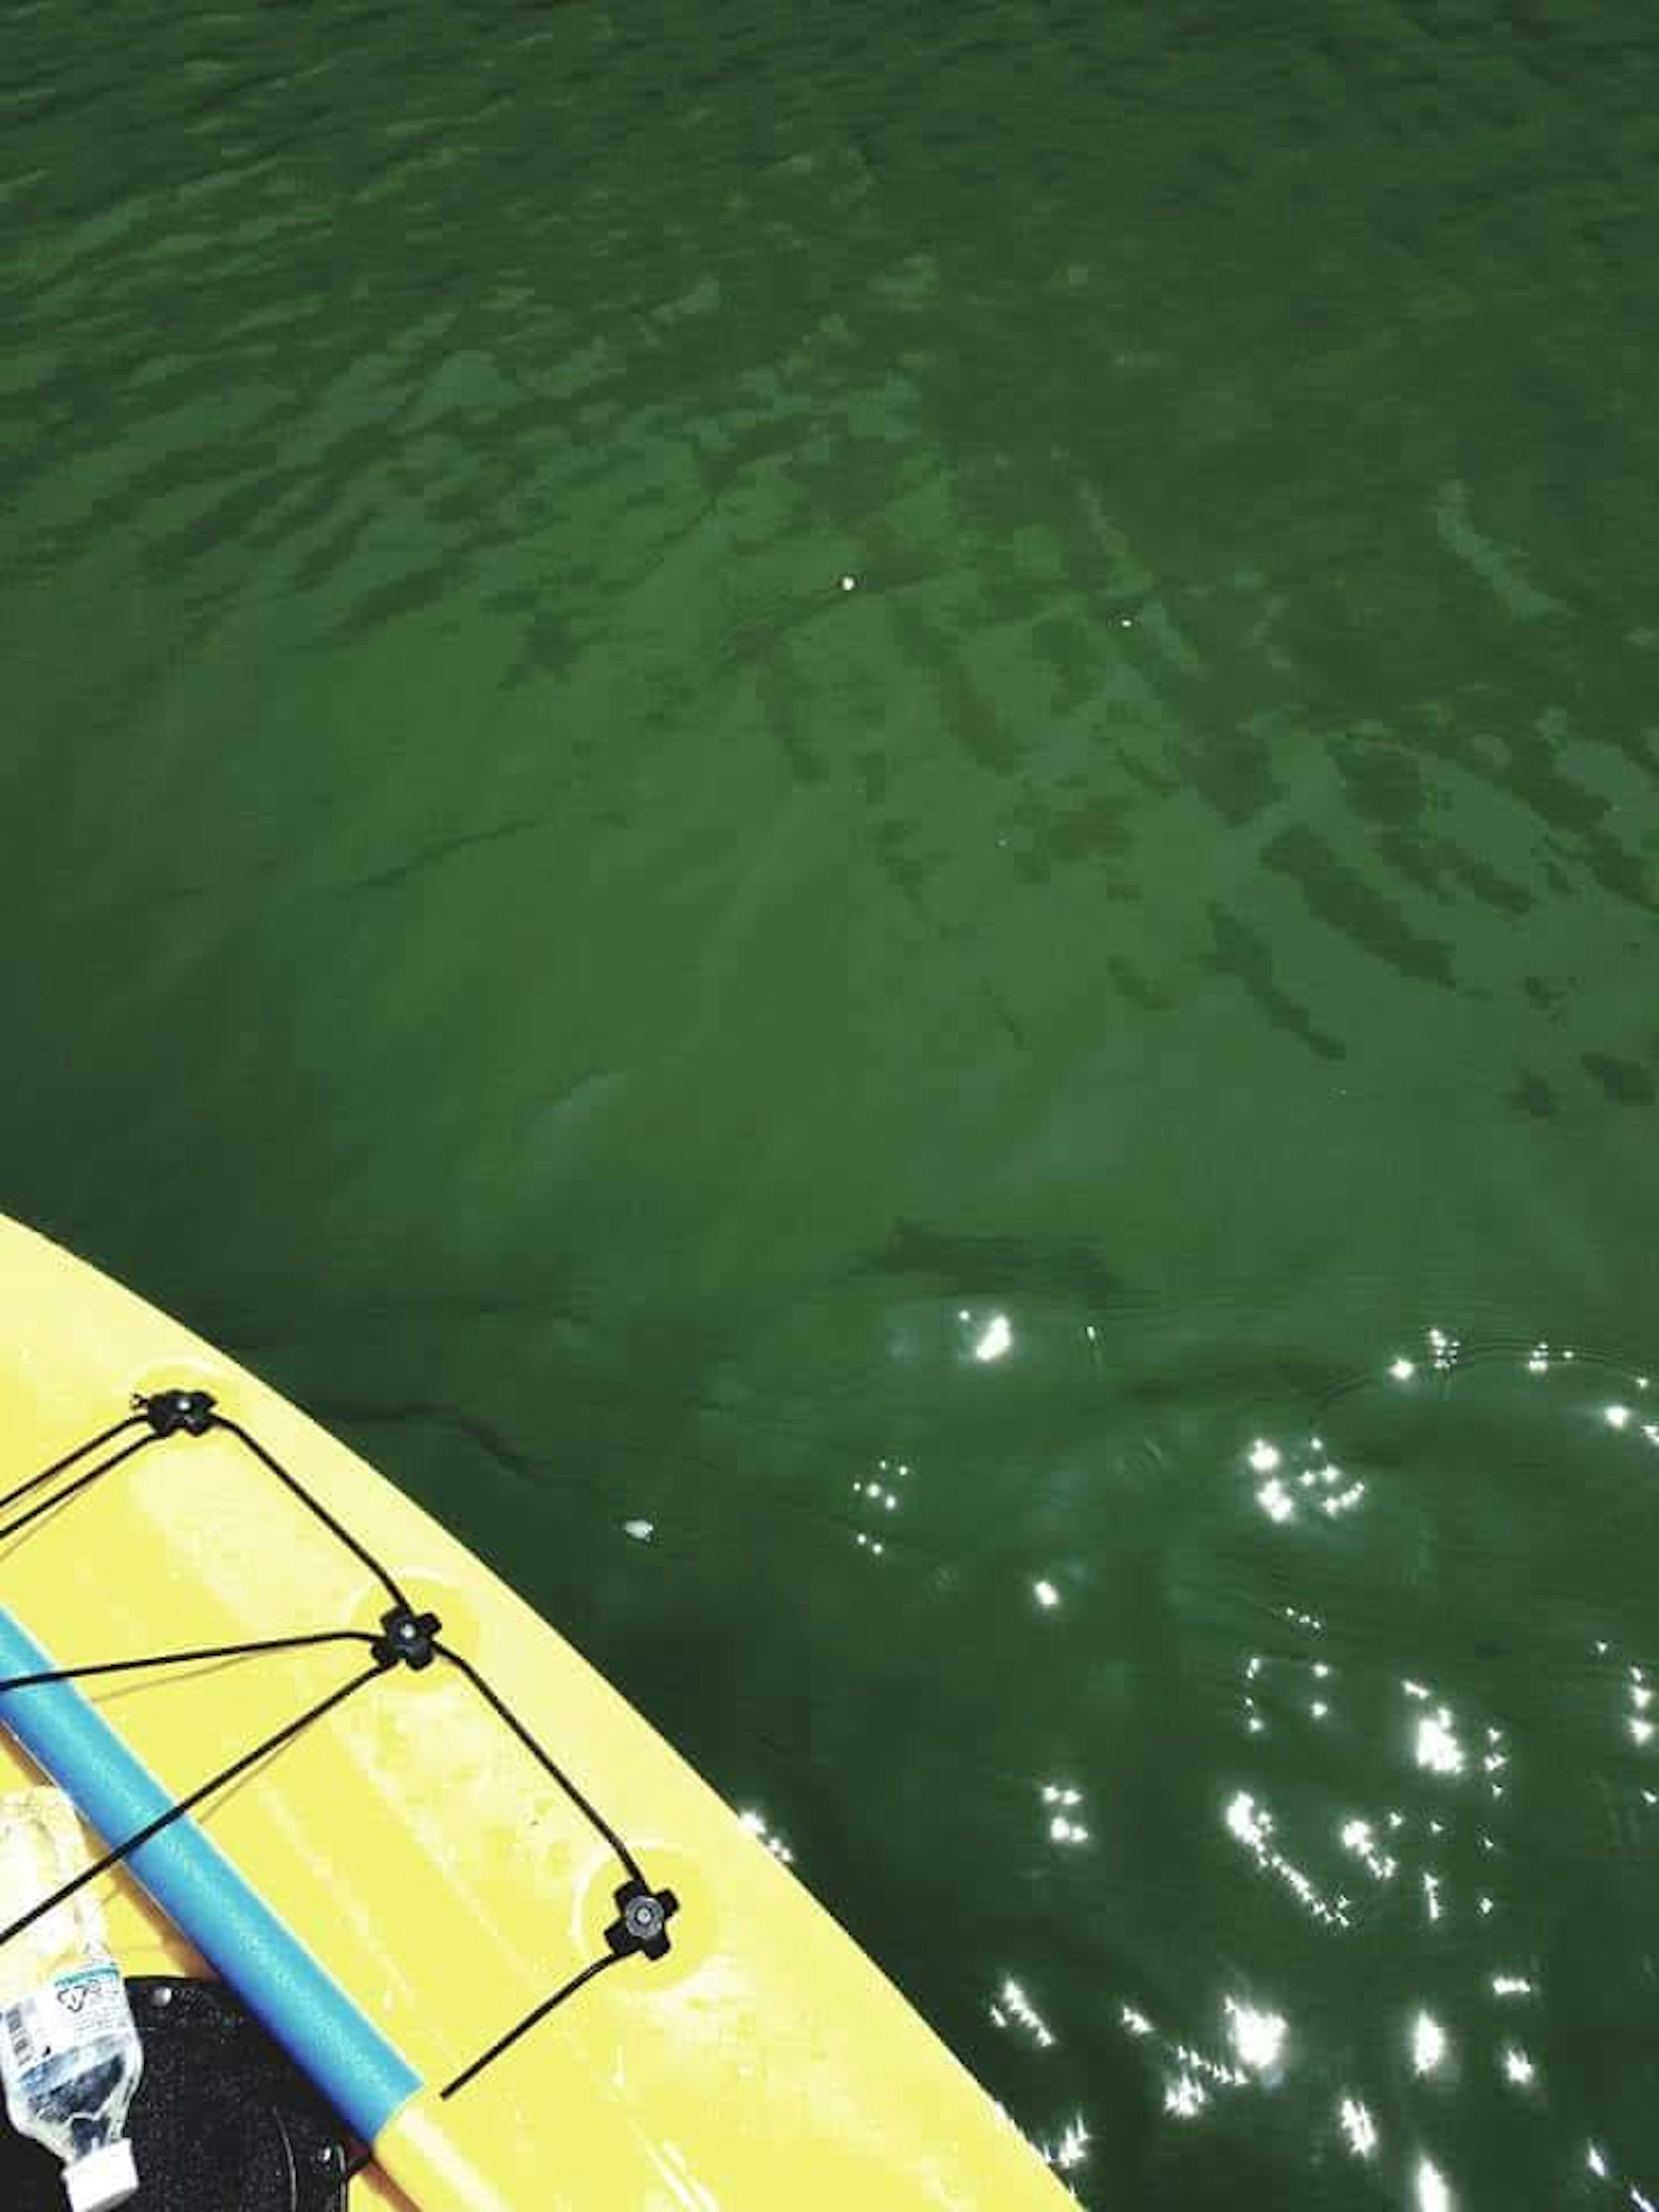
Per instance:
(525,1954)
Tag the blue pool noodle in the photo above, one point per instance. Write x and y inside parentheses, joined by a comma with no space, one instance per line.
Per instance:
(361,2074)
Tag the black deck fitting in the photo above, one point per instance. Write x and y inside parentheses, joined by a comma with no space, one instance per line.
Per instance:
(642,1918)
(406,1638)
(169,1411)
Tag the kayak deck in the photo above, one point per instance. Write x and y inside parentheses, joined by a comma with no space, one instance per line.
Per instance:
(449,1844)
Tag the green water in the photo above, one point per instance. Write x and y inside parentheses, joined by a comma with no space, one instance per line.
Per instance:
(879,784)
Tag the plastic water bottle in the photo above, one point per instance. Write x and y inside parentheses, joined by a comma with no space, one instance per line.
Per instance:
(69,2054)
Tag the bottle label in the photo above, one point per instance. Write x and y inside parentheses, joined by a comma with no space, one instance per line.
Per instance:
(68,2011)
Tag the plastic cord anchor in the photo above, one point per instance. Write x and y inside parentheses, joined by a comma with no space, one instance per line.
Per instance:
(169,1411)
(406,1638)
(641,1924)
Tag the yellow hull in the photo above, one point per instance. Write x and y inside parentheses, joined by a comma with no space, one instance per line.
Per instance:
(417,1850)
